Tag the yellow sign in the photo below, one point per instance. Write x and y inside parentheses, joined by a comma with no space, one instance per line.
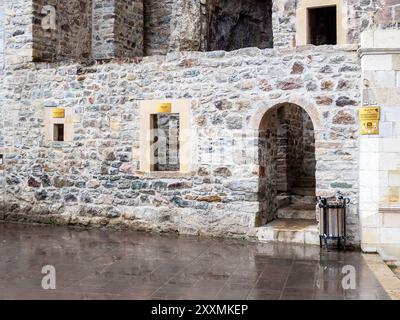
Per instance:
(369,127)
(164,108)
(369,120)
(370,113)
(58,113)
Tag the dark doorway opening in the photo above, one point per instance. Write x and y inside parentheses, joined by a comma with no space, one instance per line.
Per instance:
(322,28)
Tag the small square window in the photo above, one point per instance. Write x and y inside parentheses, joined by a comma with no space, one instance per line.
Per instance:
(59,132)
(322,26)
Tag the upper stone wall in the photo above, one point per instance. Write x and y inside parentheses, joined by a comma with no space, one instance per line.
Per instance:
(117,29)
(69,37)
(104,29)
(157,26)
(128,28)
(371,14)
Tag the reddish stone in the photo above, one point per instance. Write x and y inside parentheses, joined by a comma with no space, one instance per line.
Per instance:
(297,68)
(201,120)
(327,85)
(324,100)
(189,63)
(290,84)
(265,85)
(343,84)
(343,117)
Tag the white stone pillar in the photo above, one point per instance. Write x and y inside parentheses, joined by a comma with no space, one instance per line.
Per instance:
(380,154)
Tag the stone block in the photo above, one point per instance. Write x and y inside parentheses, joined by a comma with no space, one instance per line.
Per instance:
(394,178)
(391,114)
(369,178)
(389,161)
(372,62)
(368,145)
(369,193)
(370,235)
(369,161)
(390,235)
(387,39)
(391,145)
(386,130)
(380,79)
(391,219)
(396,62)
(398,79)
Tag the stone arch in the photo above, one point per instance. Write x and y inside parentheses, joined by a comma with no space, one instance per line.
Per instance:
(300,101)
(287,132)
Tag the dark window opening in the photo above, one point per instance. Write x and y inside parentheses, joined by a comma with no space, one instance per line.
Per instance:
(59,132)
(235,24)
(165,148)
(322,28)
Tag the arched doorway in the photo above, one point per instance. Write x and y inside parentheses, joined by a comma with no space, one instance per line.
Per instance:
(287,165)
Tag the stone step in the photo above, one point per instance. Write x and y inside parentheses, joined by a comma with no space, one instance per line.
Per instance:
(303,200)
(297,211)
(309,191)
(299,231)
(283,201)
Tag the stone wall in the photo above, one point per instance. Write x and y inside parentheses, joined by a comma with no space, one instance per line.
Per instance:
(128,28)
(157,26)
(308,165)
(17,32)
(70,38)
(284,23)
(103,29)
(291,145)
(95,180)
(269,163)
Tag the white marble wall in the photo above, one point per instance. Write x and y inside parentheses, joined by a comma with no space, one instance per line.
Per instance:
(380,154)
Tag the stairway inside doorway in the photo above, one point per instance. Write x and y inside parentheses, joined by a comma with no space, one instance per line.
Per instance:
(296,215)
(287,185)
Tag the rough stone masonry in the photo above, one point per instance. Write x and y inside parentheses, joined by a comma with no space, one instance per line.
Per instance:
(95,180)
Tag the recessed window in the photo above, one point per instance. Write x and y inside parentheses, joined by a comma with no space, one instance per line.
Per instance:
(165,146)
(322,28)
(59,132)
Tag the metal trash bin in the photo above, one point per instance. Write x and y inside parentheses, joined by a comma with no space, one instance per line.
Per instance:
(332,221)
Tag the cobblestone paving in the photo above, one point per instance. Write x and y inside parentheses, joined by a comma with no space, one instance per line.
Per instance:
(98,264)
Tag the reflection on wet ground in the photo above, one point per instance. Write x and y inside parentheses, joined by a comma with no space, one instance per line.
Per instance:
(104,264)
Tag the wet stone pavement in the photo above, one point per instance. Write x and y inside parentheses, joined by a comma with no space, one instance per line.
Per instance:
(98,264)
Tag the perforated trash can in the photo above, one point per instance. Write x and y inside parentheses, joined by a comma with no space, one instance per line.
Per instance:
(332,221)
